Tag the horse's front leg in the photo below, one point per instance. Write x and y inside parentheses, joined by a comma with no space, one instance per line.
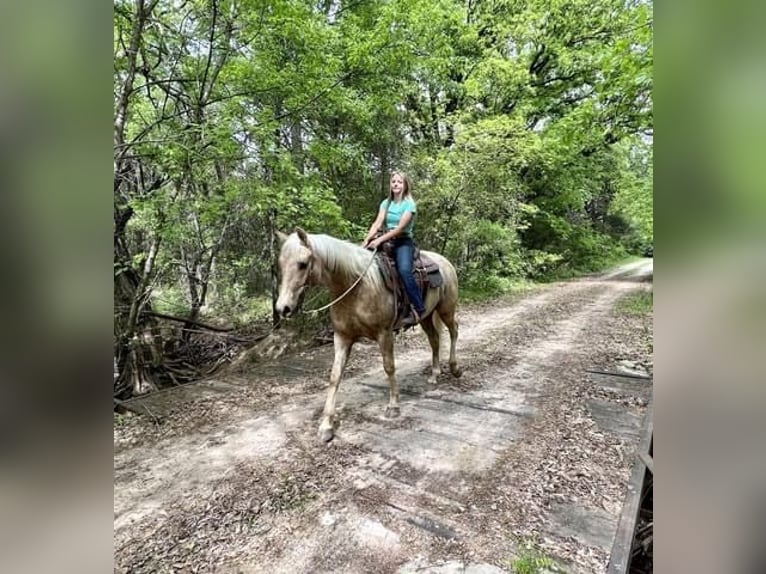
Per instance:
(342,350)
(386,342)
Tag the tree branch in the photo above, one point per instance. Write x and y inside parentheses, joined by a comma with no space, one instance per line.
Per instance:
(188,322)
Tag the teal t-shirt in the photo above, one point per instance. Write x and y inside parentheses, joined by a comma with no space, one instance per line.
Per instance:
(396,211)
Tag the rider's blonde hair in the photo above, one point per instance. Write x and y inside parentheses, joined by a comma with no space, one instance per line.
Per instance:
(407,192)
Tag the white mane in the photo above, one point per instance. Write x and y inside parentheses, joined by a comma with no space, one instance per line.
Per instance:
(346,258)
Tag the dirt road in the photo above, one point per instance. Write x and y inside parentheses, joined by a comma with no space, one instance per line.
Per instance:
(528,447)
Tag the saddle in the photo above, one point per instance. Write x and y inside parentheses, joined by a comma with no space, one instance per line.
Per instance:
(426,272)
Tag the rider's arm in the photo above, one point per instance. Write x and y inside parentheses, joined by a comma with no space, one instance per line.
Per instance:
(399,229)
(376,225)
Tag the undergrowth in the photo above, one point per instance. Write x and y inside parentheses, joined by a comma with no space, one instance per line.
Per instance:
(531,560)
(639,303)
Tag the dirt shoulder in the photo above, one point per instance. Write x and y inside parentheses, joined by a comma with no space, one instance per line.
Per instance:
(526,445)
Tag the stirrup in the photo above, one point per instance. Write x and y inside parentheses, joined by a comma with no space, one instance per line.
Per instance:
(412,319)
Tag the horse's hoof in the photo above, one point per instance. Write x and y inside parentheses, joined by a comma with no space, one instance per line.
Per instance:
(392,412)
(431,380)
(325,435)
(456,372)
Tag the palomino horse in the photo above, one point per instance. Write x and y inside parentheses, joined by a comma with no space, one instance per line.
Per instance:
(366,311)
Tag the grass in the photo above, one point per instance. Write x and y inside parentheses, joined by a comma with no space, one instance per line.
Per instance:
(528,564)
(629,259)
(532,560)
(493,288)
(120,420)
(640,303)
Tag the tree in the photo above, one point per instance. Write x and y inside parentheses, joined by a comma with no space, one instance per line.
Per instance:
(523,123)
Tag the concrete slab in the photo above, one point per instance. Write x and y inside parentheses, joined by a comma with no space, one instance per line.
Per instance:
(590,526)
(615,418)
(451,567)
(624,385)
(451,436)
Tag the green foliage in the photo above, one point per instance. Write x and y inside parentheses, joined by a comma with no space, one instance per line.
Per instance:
(639,303)
(479,287)
(531,564)
(634,199)
(567,248)
(170,300)
(543,264)
(526,125)
(531,560)
(240,309)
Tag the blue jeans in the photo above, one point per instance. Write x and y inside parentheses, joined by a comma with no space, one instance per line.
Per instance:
(405,253)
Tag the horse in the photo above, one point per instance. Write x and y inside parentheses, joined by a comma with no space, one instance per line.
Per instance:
(364,306)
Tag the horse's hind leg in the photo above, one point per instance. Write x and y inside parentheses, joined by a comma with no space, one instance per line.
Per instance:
(447,315)
(342,349)
(386,342)
(432,328)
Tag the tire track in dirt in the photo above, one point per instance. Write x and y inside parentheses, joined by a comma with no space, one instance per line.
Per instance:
(417,482)
(359,520)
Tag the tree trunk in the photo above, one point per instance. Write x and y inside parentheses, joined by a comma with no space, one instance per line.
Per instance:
(296,143)
(133,372)
(434,115)
(273,259)
(132,293)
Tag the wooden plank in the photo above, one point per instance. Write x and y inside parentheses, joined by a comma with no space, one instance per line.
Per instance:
(619,374)
(648,461)
(619,560)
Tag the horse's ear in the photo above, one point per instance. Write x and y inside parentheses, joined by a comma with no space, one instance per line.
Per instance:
(303,236)
(281,236)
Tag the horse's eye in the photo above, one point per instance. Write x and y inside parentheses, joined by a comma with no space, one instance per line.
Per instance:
(302,265)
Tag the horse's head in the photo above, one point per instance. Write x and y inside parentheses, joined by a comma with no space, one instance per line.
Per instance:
(296,264)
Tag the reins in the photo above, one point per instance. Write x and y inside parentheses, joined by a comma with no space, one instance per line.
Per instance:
(372,260)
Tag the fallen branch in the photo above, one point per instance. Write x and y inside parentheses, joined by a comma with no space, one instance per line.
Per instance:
(140,409)
(189,322)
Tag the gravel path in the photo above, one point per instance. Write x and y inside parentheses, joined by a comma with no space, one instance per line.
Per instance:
(526,446)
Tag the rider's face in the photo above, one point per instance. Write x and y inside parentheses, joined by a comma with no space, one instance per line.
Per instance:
(397,184)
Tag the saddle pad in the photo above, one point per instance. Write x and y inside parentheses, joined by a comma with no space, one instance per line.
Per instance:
(426,264)
(434,278)
(426,272)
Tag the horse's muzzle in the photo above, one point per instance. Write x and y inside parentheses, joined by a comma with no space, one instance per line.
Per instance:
(287,310)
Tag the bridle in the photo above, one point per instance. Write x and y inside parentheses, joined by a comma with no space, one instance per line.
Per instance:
(346,292)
